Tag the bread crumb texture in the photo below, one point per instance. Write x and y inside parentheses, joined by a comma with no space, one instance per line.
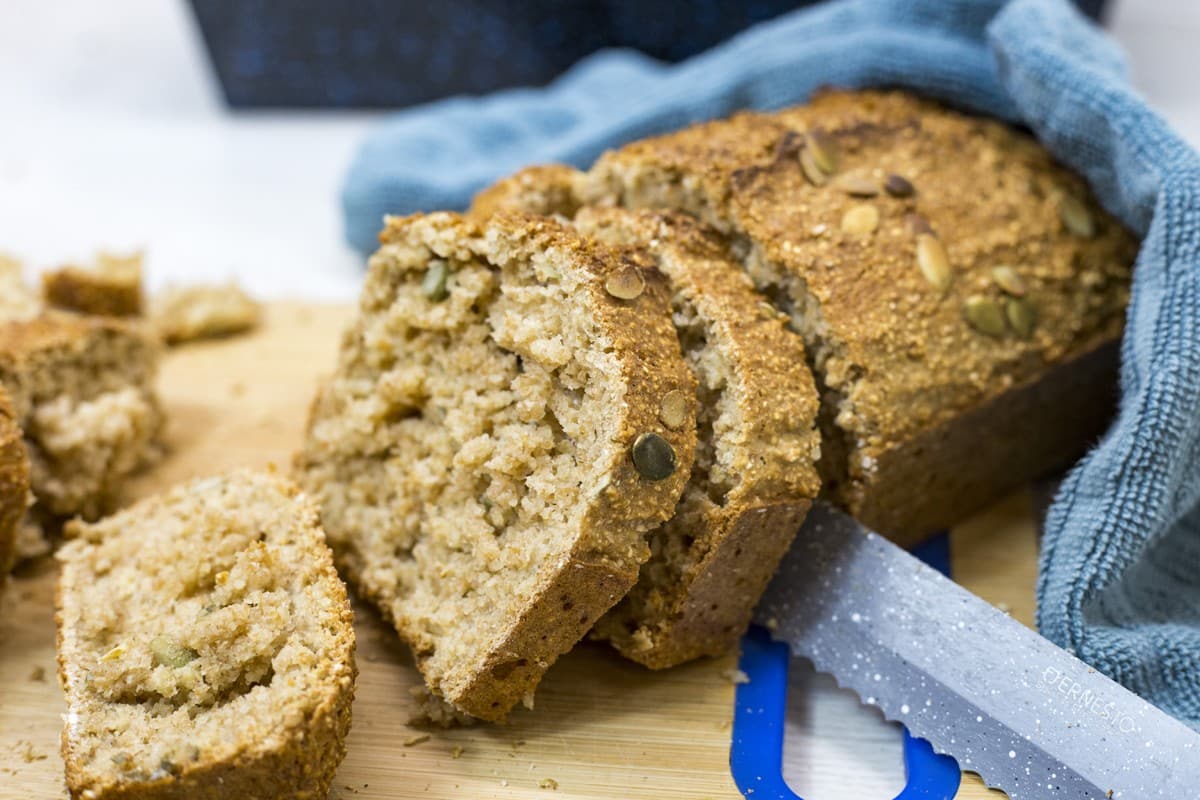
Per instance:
(83,393)
(189,313)
(473,452)
(206,646)
(940,267)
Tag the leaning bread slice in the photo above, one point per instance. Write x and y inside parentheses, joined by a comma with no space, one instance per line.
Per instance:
(755,474)
(960,293)
(14,484)
(83,392)
(489,453)
(205,647)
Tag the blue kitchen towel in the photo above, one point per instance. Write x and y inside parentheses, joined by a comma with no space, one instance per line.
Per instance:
(1120,573)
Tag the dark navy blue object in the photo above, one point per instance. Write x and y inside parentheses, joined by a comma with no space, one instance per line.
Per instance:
(381,53)
(756,754)
(387,54)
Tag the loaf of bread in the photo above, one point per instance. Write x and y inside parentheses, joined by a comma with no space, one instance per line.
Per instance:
(111,287)
(757,449)
(82,389)
(14,484)
(491,451)
(205,647)
(960,293)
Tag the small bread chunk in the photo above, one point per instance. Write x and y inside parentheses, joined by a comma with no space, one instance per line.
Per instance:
(190,313)
(960,293)
(755,475)
(489,455)
(18,301)
(14,484)
(82,390)
(112,287)
(205,647)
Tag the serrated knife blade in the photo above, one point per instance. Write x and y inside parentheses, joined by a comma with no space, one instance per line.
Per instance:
(1026,716)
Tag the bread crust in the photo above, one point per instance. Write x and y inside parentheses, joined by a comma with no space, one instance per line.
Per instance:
(91,292)
(302,768)
(14,483)
(608,547)
(737,540)
(895,357)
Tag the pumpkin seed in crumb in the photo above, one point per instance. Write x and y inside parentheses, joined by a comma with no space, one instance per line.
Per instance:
(653,457)
(170,653)
(933,261)
(811,171)
(1076,217)
(1008,280)
(673,409)
(824,150)
(861,219)
(626,283)
(856,185)
(984,315)
(1021,316)
(433,285)
(899,186)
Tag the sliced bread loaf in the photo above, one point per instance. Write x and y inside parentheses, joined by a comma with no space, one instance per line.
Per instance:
(755,474)
(14,484)
(82,390)
(490,453)
(205,647)
(960,293)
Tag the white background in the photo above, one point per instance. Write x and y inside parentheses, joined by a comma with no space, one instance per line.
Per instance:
(113,134)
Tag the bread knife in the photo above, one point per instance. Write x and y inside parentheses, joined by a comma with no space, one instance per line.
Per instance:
(1026,716)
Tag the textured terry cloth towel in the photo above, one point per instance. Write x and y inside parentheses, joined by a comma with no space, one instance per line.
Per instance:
(1120,572)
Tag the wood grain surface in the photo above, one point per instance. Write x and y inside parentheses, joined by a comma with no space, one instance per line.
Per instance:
(602,727)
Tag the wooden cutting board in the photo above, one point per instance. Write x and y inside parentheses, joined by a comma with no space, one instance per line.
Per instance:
(602,728)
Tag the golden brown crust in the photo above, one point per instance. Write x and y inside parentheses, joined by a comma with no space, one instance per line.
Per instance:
(548,190)
(702,606)
(14,483)
(91,292)
(895,354)
(574,589)
(294,758)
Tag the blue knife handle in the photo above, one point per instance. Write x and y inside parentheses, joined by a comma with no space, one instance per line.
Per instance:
(756,752)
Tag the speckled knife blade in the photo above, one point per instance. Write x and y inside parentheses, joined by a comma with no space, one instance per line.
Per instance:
(1025,715)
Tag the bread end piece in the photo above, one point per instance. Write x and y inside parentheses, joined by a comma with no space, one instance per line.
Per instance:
(206,647)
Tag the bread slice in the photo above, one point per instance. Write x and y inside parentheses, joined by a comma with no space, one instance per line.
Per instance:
(82,389)
(110,287)
(190,313)
(755,475)
(960,293)
(489,453)
(14,484)
(205,647)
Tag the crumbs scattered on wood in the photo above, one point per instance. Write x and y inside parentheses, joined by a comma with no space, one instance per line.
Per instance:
(456,751)
(735,676)
(412,741)
(548,783)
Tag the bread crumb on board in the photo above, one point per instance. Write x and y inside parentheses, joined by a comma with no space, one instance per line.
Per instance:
(191,313)
(735,676)
(548,783)
(419,738)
